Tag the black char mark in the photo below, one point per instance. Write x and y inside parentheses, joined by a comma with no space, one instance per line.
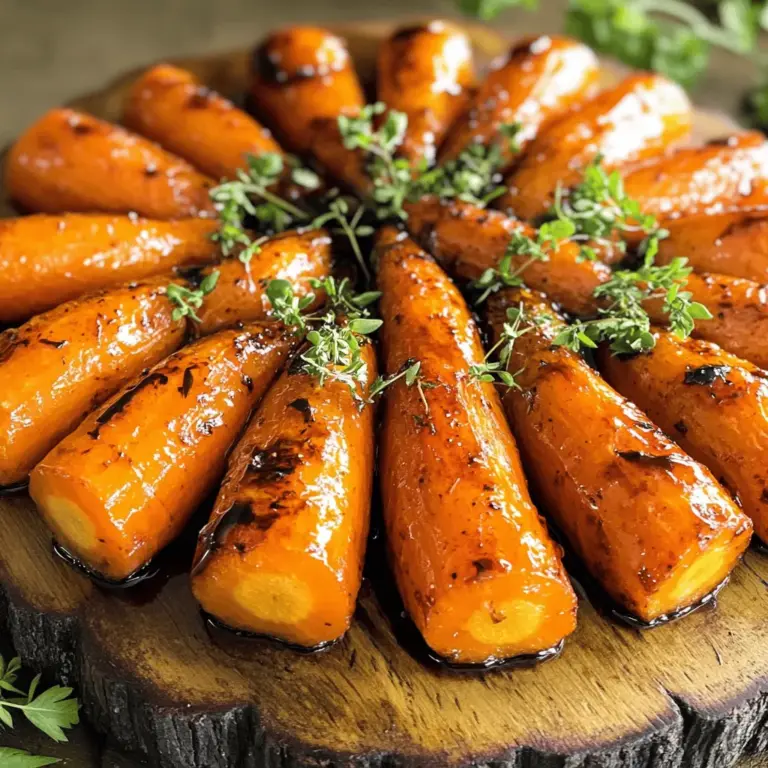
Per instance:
(706,374)
(302,405)
(125,399)
(653,460)
(274,463)
(187,381)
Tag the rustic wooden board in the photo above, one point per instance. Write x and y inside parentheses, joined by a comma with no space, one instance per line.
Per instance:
(153,677)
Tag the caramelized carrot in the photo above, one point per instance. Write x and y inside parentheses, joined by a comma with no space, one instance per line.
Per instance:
(715,178)
(633,121)
(60,365)
(713,403)
(72,162)
(474,563)
(172,107)
(467,240)
(425,72)
(739,310)
(124,484)
(302,74)
(652,526)
(540,79)
(733,244)
(46,260)
(240,293)
(283,552)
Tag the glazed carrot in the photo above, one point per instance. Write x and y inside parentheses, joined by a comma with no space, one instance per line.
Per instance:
(172,107)
(302,74)
(283,552)
(636,120)
(72,162)
(467,240)
(60,365)
(715,178)
(240,293)
(713,403)
(652,526)
(474,563)
(46,260)
(425,72)
(538,81)
(124,484)
(740,314)
(733,244)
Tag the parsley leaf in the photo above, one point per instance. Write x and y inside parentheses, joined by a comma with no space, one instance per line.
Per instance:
(17,758)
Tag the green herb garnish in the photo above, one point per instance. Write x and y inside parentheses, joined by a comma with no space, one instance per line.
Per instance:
(490,370)
(187,300)
(18,758)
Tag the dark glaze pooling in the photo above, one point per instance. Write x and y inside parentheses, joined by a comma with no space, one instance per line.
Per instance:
(706,375)
(122,402)
(145,573)
(12,490)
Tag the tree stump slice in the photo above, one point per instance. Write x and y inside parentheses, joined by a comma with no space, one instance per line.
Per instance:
(160,683)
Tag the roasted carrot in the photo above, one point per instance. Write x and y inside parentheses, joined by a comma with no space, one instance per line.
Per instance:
(636,120)
(467,240)
(172,107)
(540,79)
(713,403)
(302,74)
(240,293)
(60,365)
(651,525)
(739,310)
(46,260)
(474,563)
(425,72)
(733,244)
(124,484)
(283,552)
(71,162)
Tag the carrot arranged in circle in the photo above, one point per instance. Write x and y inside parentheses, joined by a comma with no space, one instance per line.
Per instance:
(71,162)
(60,365)
(46,260)
(476,568)
(124,484)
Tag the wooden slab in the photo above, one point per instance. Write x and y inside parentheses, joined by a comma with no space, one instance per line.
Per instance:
(153,677)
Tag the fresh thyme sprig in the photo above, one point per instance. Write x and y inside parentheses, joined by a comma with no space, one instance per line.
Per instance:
(495,365)
(533,249)
(408,371)
(335,335)
(187,300)
(51,710)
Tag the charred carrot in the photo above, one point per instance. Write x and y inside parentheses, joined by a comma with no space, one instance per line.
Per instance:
(283,552)
(240,292)
(636,120)
(739,311)
(467,240)
(474,563)
(72,162)
(651,525)
(425,72)
(300,75)
(60,365)
(540,79)
(124,483)
(713,403)
(46,260)
(172,107)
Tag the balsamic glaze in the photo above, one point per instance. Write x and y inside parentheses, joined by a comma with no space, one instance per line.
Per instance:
(144,573)
(124,400)
(14,488)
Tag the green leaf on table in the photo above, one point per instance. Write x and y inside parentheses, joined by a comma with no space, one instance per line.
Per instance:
(17,758)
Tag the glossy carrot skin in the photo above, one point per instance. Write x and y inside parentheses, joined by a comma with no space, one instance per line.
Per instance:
(475,566)
(733,244)
(635,120)
(540,79)
(240,295)
(467,240)
(47,260)
(303,74)
(124,484)
(740,314)
(71,162)
(172,107)
(713,403)
(283,552)
(60,365)
(651,525)
(716,178)
(426,72)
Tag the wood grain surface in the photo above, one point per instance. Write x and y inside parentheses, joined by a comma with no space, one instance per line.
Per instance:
(160,683)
